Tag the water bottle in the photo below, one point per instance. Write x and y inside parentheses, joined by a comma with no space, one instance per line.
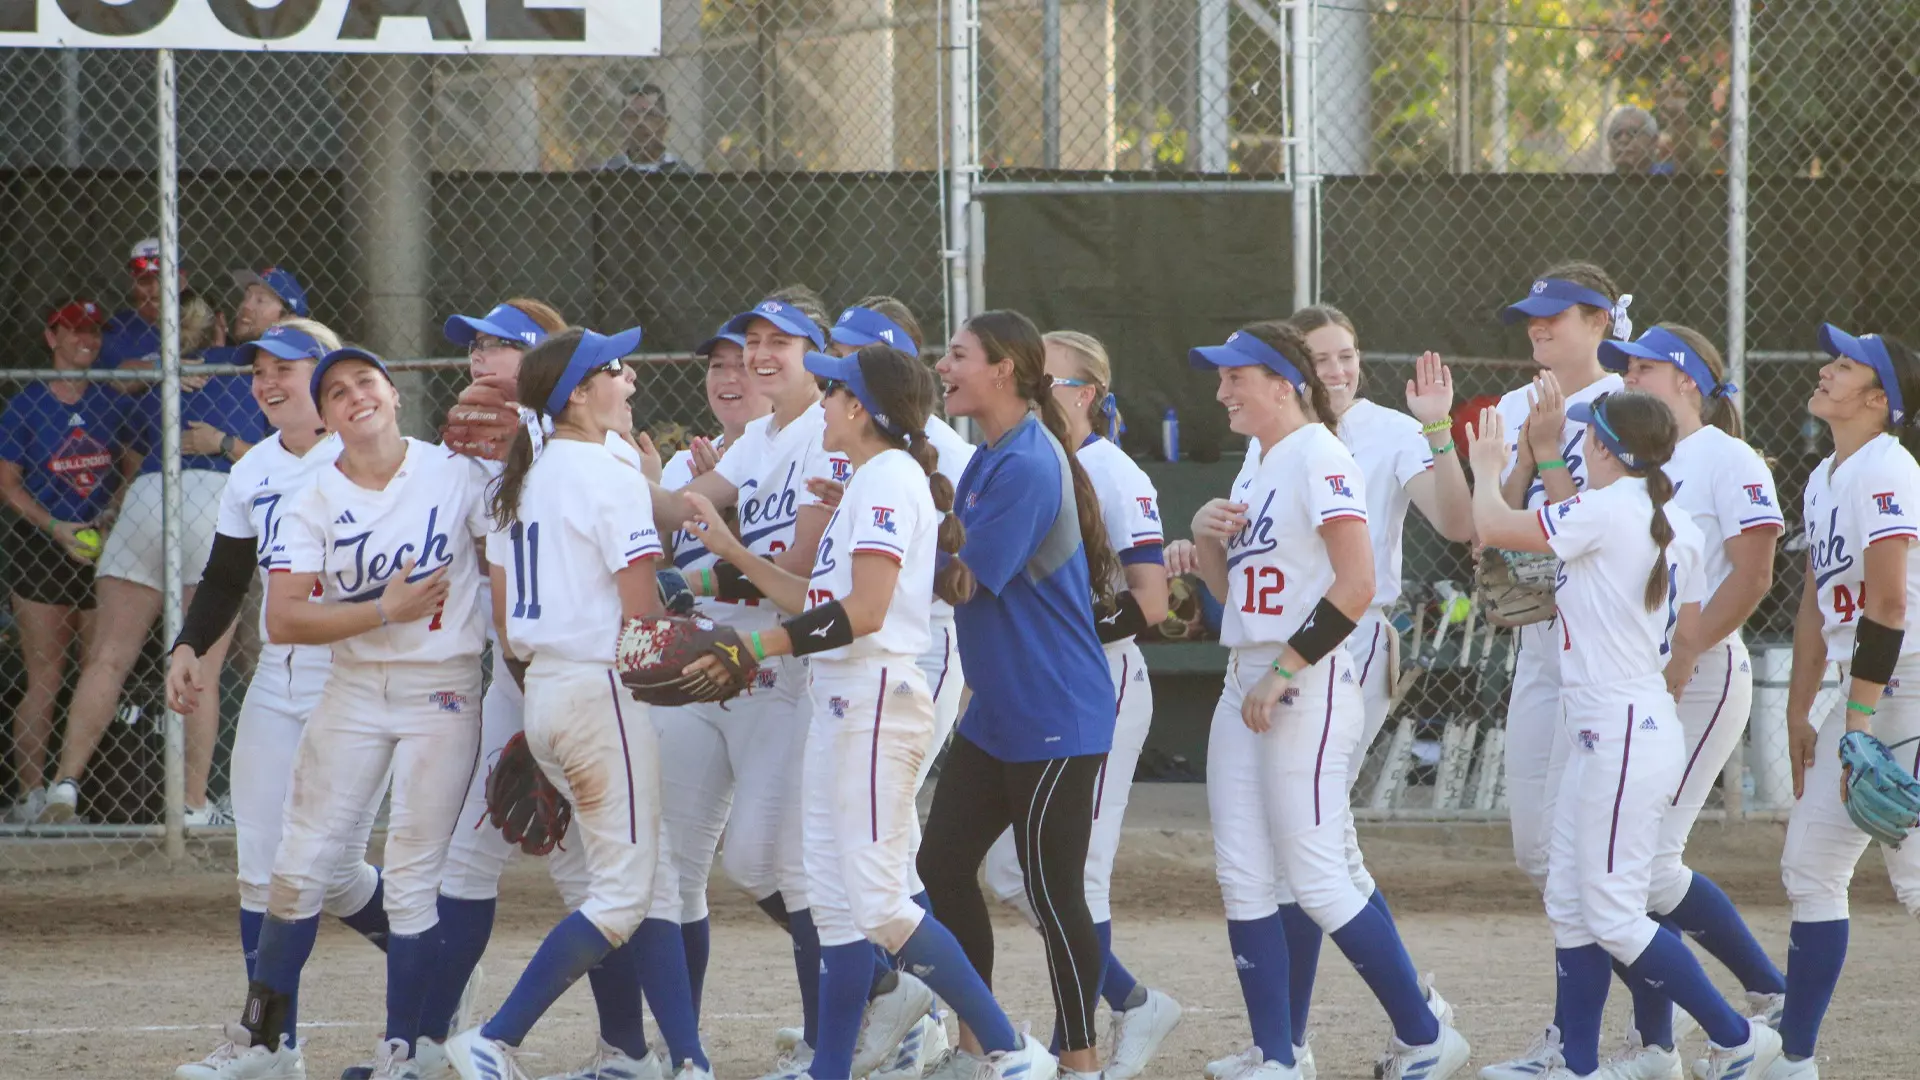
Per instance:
(1170,435)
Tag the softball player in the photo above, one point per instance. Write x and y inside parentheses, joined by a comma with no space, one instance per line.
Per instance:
(1724,486)
(1130,507)
(571,540)
(288,679)
(1289,555)
(1863,586)
(1622,591)
(864,625)
(382,540)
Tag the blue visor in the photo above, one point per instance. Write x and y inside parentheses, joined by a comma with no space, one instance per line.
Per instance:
(1594,415)
(1242,349)
(1665,347)
(1867,349)
(788,318)
(706,347)
(860,326)
(337,355)
(595,352)
(505,321)
(1551,296)
(846,371)
(286,343)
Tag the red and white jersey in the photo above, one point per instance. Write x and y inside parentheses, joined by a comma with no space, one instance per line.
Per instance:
(1391,451)
(579,523)
(1129,505)
(1277,567)
(260,491)
(1872,496)
(1725,486)
(1604,540)
(771,467)
(356,539)
(887,510)
(1514,407)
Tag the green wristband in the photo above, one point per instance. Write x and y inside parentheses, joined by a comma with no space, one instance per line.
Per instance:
(759,650)
(706,582)
(1550,463)
(1282,672)
(1863,710)
(1447,449)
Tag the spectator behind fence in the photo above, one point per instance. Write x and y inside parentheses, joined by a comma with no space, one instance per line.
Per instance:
(134,333)
(648,125)
(59,475)
(220,420)
(1633,143)
(266,297)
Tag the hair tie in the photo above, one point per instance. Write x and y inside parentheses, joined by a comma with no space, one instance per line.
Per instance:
(1622,325)
(1724,390)
(538,424)
(1110,408)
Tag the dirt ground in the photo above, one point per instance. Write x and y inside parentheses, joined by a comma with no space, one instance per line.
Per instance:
(122,975)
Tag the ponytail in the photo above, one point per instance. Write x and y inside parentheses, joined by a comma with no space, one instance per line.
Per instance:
(952,581)
(1660,490)
(504,500)
(540,372)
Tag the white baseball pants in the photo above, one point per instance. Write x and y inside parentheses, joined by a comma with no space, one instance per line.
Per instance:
(1535,751)
(1714,709)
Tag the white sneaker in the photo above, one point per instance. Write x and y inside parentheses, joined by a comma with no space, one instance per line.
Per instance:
(956,1065)
(887,1021)
(792,1063)
(924,1045)
(1747,1061)
(1273,1070)
(1133,1035)
(476,1057)
(237,1059)
(1782,1069)
(1437,1005)
(612,1063)
(63,801)
(1237,1065)
(1303,1060)
(1766,1008)
(430,1060)
(1638,1061)
(1030,1061)
(28,810)
(215,814)
(690,1071)
(392,1061)
(466,1011)
(1534,1064)
(1436,1060)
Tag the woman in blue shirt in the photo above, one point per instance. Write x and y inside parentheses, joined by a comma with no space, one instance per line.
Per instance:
(1029,749)
(58,474)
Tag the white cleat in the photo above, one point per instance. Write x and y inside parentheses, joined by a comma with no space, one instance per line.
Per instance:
(476,1057)
(956,1065)
(924,1045)
(612,1063)
(1782,1069)
(430,1060)
(1748,1061)
(1441,1009)
(1235,1066)
(1534,1064)
(888,1020)
(237,1059)
(1638,1061)
(1030,1061)
(1273,1070)
(792,1063)
(1303,1060)
(1134,1035)
(63,801)
(392,1061)
(1766,1008)
(690,1071)
(1436,1060)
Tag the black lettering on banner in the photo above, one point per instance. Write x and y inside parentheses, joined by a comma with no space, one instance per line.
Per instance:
(444,18)
(116,20)
(509,20)
(285,19)
(18,17)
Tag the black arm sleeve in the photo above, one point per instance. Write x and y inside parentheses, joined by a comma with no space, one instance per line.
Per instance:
(223,588)
(1119,620)
(730,584)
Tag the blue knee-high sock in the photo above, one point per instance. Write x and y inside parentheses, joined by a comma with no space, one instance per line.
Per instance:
(283,950)
(370,921)
(1303,963)
(663,976)
(1378,901)
(1667,964)
(1116,982)
(1373,947)
(570,951)
(1580,990)
(776,908)
(616,997)
(697,937)
(1652,1010)
(250,937)
(845,977)
(465,926)
(1815,954)
(934,955)
(1260,956)
(882,967)
(1706,915)
(410,965)
(806,967)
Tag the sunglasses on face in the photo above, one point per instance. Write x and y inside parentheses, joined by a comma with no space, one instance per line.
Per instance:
(492,344)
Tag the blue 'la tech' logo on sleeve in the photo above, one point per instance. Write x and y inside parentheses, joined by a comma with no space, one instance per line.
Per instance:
(1884,502)
(1147,509)
(883,519)
(1756,494)
(1339,486)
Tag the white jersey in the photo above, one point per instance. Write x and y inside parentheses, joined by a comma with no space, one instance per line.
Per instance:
(260,490)
(356,538)
(1870,497)
(1391,451)
(688,552)
(1606,549)
(887,510)
(1129,506)
(1515,406)
(579,522)
(1277,567)
(1726,488)
(771,468)
(954,453)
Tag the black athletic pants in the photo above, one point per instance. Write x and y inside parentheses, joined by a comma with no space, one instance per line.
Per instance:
(1049,805)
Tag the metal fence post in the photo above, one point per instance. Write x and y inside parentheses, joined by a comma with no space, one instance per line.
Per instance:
(1303,165)
(1737,105)
(175,754)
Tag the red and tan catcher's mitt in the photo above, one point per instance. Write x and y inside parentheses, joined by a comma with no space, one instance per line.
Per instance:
(653,654)
(523,804)
(484,421)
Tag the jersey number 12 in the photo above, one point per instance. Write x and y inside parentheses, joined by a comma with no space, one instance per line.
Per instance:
(526,569)
(1264,586)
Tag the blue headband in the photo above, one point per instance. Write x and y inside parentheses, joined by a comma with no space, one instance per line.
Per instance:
(1594,415)
(1242,349)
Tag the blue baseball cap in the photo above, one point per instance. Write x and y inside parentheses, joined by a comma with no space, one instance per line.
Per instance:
(1665,347)
(1242,349)
(505,321)
(706,347)
(1551,296)
(595,352)
(789,319)
(280,283)
(859,326)
(285,342)
(1594,415)
(1867,349)
(846,370)
(349,353)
